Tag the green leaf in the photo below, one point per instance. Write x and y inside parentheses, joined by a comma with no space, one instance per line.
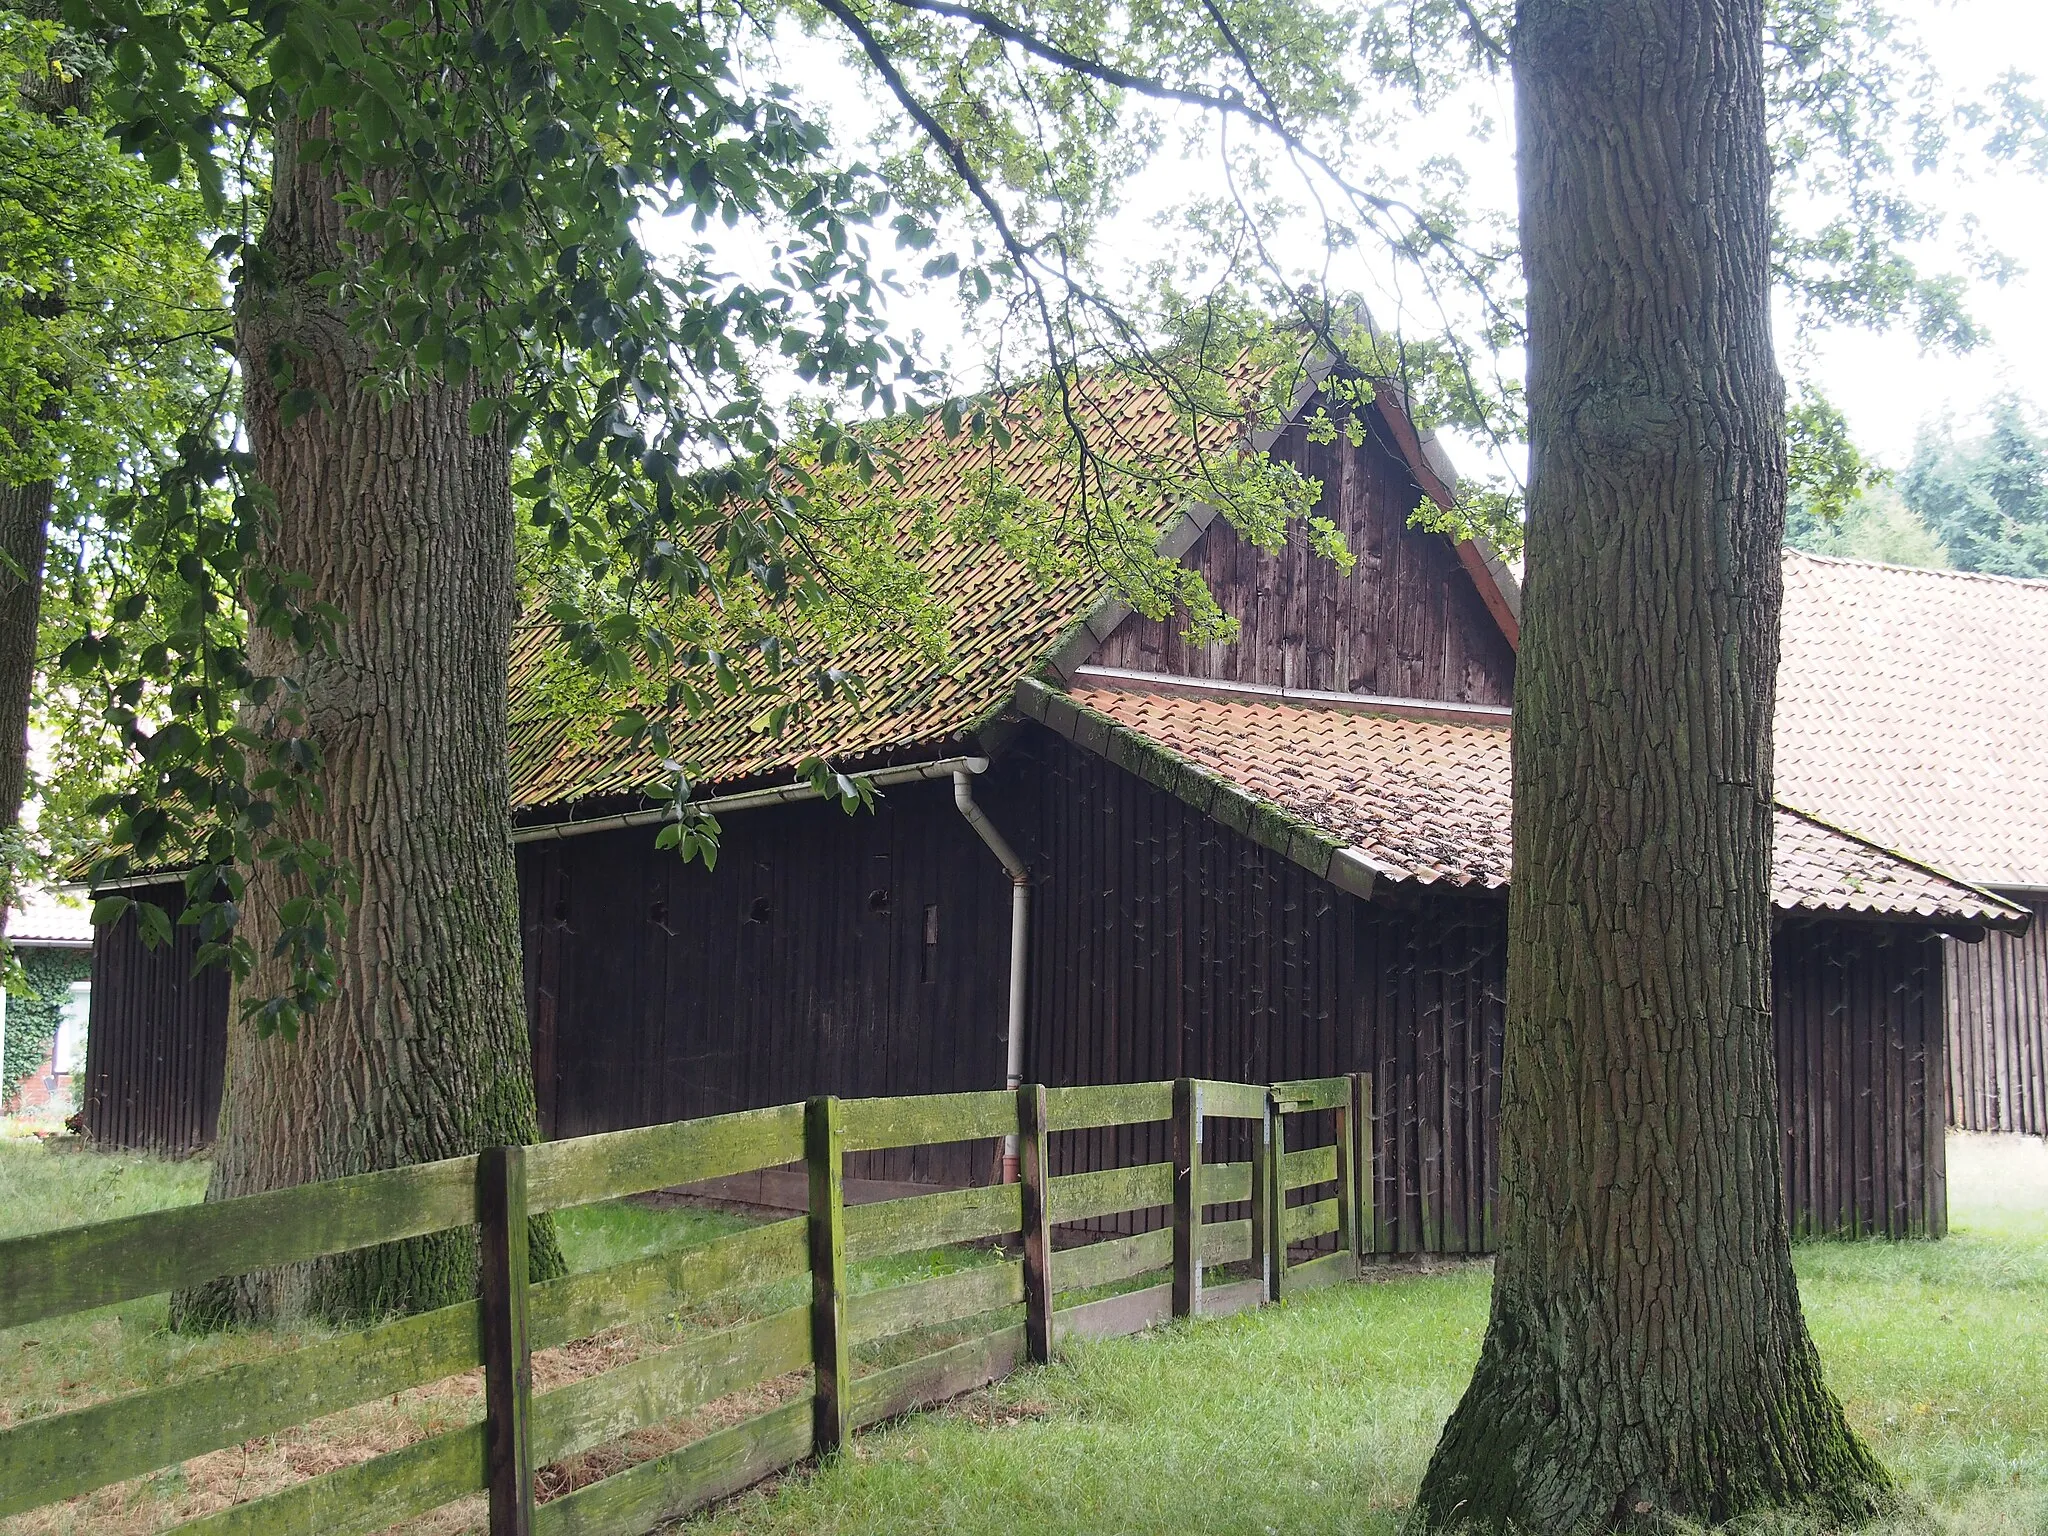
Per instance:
(154,923)
(601,38)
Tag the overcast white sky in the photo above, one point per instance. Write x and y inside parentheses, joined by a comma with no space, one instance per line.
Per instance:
(1887,387)
(1885,384)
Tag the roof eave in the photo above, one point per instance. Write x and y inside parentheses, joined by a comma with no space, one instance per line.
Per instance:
(1301,842)
(1998,913)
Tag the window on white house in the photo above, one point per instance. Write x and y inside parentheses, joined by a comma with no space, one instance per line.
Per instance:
(71,1020)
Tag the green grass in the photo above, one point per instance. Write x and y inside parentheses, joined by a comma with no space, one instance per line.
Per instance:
(41,1187)
(1318,1416)
(1314,1417)
(1311,1417)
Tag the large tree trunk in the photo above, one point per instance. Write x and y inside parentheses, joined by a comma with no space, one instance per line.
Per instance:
(24,539)
(24,547)
(1646,1355)
(403,520)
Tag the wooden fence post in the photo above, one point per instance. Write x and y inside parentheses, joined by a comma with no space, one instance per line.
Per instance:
(1266,1200)
(832,1407)
(1366,1243)
(1033,1111)
(1187,1197)
(1347,1180)
(1279,1108)
(508,1357)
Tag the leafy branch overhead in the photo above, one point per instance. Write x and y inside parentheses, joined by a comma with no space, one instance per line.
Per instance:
(624,226)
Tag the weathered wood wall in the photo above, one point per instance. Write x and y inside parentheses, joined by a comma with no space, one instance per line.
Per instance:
(1168,945)
(1406,622)
(1858,1008)
(1163,945)
(824,954)
(156,1042)
(1998,1030)
(1171,945)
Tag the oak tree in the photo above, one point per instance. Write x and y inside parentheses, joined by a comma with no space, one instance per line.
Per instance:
(1646,1356)
(456,263)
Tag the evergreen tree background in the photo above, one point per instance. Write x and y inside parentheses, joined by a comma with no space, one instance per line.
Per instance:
(1985,497)
(1875,525)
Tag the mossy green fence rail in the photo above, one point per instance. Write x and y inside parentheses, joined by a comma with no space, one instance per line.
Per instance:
(1308,1198)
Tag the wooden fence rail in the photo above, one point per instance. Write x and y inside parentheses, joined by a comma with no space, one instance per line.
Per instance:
(1311,1199)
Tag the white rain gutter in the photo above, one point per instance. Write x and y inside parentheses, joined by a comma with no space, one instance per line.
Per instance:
(1020,936)
(748,800)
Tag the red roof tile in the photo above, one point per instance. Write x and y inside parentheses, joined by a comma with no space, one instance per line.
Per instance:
(1006,620)
(1913,706)
(1428,800)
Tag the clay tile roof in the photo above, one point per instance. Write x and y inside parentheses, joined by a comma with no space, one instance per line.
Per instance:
(1913,706)
(1006,620)
(1422,799)
(1428,800)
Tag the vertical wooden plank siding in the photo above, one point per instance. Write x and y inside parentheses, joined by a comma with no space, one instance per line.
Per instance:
(1997,1049)
(1163,945)
(796,967)
(1268,973)
(1407,621)
(1269,1256)
(156,1043)
(1858,1019)
(1282,976)
(508,1360)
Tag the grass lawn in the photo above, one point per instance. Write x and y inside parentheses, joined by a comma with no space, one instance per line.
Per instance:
(1316,1416)
(1319,1415)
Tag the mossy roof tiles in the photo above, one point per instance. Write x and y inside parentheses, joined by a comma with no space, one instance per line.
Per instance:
(1428,801)
(1005,621)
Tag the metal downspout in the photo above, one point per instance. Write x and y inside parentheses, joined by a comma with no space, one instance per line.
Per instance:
(1020,937)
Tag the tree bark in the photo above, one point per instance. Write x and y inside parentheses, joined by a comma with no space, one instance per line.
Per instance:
(1646,1357)
(24,548)
(24,542)
(402,519)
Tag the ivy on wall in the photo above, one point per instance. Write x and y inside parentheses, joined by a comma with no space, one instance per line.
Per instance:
(33,1007)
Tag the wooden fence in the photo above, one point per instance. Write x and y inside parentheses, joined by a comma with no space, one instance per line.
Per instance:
(1308,1197)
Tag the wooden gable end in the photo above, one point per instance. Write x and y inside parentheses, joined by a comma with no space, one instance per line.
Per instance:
(1408,622)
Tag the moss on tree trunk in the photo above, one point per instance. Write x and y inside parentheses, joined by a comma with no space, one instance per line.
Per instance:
(1646,1355)
(402,519)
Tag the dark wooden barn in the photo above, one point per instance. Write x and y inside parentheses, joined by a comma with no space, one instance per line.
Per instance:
(1280,858)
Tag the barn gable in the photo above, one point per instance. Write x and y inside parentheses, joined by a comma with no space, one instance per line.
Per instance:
(1418,617)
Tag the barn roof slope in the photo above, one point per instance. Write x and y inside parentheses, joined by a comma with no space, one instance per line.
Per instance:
(1427,800)
(1913,706)
(1007,619)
